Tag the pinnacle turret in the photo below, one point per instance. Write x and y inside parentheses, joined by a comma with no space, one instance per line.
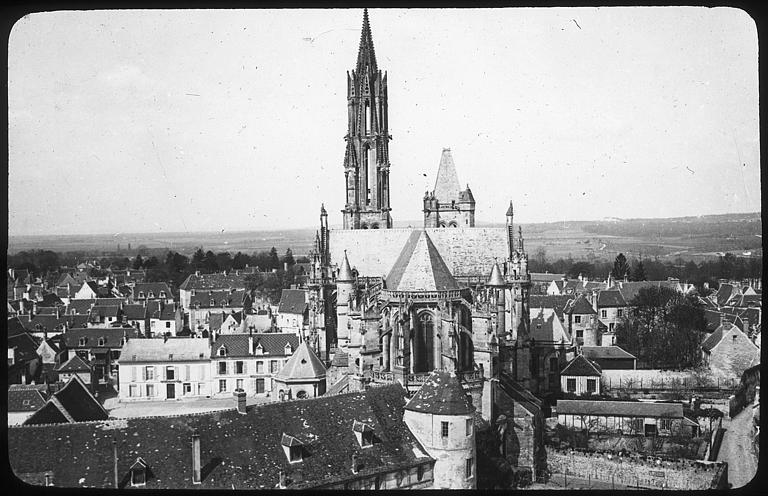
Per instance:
(366,55)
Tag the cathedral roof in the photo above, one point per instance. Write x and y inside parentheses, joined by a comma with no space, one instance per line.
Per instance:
(495,279)
(447,184)
(442,394)
(420,267)
(303,365)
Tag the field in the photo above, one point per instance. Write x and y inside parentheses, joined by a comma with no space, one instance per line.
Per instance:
(688,238)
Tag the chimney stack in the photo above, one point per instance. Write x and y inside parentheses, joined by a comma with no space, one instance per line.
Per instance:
(114,457)
(282,484)
(354,463)
(196,475)
(746,325)
(240,398)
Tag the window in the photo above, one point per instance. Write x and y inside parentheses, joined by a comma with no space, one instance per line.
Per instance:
(132,391)
(222,351)
(48,479)
(444,429)
(101,342)
(139,473)
(580,333)
(666,424)
(619,312)
(419,473)
(259,367)
(169,373)
(259,386)
(187,388)
(611,326)
(150,372)
(604,314)
(222,368)
(273,366)
(222,385)
(168,325)
(734,338)
(591,385)
(239,367)
(141,294)
(294,454)
(469,427)
(162,294)
(577,319)
(468,472)
(571,385)
(150,390)
(239,384)
(81,342)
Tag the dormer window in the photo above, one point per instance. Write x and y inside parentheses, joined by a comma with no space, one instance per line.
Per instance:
(81,342)
(363,433)
(212,302)
(193,292)
(223,351)
(224,303)
(48,479)
(139,473)
(293,448)
(141,294)
(258,350)
(288,349)
(101,341)
(162,294)
(151,294)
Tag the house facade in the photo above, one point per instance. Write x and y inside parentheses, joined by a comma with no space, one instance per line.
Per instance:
(729,350)
(624,417)
(581,376)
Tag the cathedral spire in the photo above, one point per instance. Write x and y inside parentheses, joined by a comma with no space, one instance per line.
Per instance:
(366,54)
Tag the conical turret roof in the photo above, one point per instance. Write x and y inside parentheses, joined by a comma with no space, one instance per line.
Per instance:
(303,365)
(447,183)
(495,280)
(441,394)
(345,272)
(420,267)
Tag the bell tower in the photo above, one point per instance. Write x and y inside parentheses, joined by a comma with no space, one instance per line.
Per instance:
(366,160)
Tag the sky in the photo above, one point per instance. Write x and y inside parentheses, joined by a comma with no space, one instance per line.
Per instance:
(203,120)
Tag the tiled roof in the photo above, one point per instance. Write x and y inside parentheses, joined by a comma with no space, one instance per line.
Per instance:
(340,359)
(713,339)
(293,301)
(419,267)
(108,302)
(81,307)
(71,403)
(214,281)
(221,298)
(340,386)
(441,394)
(630,289)
(556,302)
(152,287)
(134,312)
(25,400)
(26,347)
(581,366)
(170,349)
(157,309)
(215,320)
(303,365)
(47,322)
(545,277)
(610,298)
(103,311)
(447,182)
(51,300)
(74,364)
(605,352)
(273,344)
(16,325)
(112,337)
(546,327)
(620,408)
(580,306)
(240,451)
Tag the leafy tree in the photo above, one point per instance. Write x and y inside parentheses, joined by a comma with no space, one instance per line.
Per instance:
(581,268)
(224,261)
(288,258)
(620,267)
(209,263)
(639,273)
(198,259)
(274,260)
(240,260)
(151,262)
(138,262)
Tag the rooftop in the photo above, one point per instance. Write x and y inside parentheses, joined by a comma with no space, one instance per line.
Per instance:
(441,394)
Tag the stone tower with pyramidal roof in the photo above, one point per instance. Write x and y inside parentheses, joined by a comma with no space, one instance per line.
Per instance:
(448,205)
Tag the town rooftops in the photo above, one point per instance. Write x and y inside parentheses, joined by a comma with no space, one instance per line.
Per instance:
(303,365)
(238,451)
(581,366)
(620,408)
(25,400)
(214,281)
(610,298)
(170,349)
(24,345)
(217,298)
(293,301)
(605,352)
(74,364)
(419,267)
(134,312)
(580,306)
(546,327)
(152,290)
(718,334)
(90,336)
(557,302)
(441,394)
(236,345)
(72,403)
(545,277)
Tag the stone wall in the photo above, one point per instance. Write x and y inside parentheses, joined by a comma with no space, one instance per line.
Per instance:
(466,251)
(637,470)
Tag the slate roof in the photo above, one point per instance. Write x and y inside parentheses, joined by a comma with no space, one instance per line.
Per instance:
(26,347)
(419,267)
(340,359)
(620,408)
(25,400)
(74,364)
(545,277)
(725,292)
(630,289)
(546,327)
(340,386)
(610,298)
(219,297)
(345,272)
(134,312)
(152,287)
(273,343)
(172,349)
(214,281)
(112,337)
(447,185)
(441,394)
(581,366)
(495,279)
(240,451)
(80,307)
(747,300)
(72,403)
(605,352)
(16,326)
(293,301)
(215,320)
(556,302)
(48,322)
(303,365)
(160,310)
(51,300)
(105,311)
(713,339)
(580,306)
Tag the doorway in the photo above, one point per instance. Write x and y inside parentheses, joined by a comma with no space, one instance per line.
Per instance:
(170,391)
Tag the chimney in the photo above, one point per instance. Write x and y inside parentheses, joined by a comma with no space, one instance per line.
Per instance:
(240,396)
(196,475)
(21,306)
(114,457)
(722,318)
(34,307)
(354,463)
(282,484)
(746,325)
(250,341)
